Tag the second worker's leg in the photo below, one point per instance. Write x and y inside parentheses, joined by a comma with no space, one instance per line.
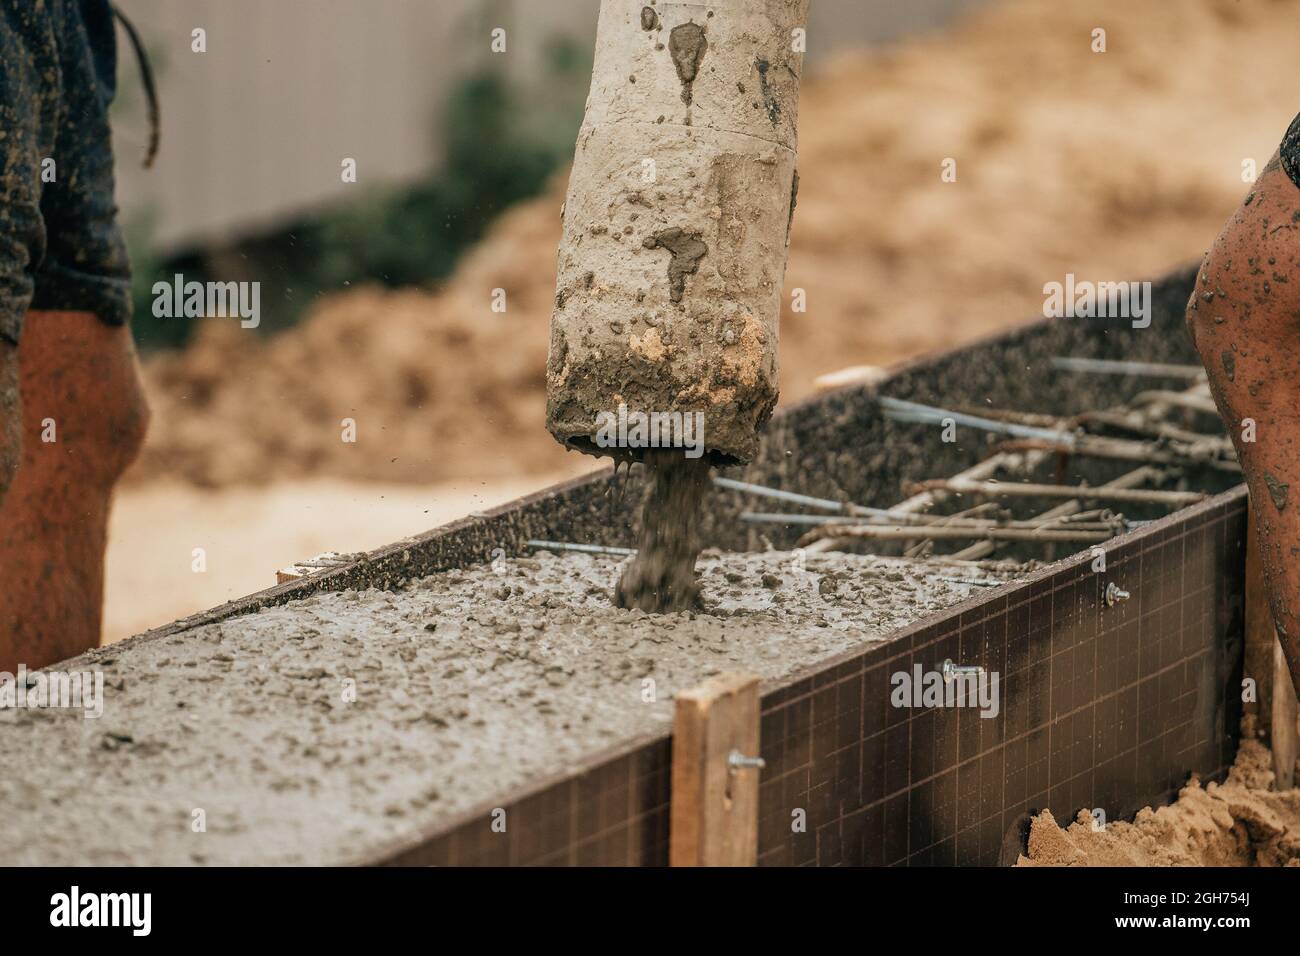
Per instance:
(1244,316)
(10,416)
(83,420)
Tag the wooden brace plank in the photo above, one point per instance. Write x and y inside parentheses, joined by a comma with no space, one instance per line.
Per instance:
(714,814)
(1285,733)
(1274,708)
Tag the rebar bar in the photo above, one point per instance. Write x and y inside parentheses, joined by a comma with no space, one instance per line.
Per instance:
(1068,363)
(573,546)
(999,489)
(901,533)
(899,410)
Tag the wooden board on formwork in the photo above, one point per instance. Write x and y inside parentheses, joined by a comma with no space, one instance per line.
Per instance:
(1274,708)
(714,813)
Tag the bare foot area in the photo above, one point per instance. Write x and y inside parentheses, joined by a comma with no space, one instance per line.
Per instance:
(248,533)
(1241,822)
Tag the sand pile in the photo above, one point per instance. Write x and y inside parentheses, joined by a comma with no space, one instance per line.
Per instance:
(1109,165)
(1242,822)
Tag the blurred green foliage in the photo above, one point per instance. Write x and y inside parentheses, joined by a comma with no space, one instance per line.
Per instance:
(501,139)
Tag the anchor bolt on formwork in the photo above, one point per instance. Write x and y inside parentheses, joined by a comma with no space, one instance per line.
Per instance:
(738,761)
(951,671)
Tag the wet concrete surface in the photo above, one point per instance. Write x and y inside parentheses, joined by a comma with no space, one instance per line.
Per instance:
(311,731)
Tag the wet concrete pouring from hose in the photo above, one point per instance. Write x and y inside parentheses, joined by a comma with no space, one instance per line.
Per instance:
(662,575)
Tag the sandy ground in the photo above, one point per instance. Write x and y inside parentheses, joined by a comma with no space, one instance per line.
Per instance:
(316,731)
(248,533)
(1113,166)
(1243,822)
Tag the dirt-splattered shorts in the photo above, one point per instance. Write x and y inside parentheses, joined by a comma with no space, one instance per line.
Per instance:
(1289,151)
(60,244)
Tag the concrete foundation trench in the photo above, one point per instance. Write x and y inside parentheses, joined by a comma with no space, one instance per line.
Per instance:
(465,697)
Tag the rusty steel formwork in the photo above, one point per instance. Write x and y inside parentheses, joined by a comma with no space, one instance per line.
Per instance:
(1104,704)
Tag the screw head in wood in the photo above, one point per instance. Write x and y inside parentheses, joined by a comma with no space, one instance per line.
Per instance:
(738,761)
(951,670)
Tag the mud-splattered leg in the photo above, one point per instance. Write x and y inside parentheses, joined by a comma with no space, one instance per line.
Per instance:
(1244,316)
(10,416)
(83,420)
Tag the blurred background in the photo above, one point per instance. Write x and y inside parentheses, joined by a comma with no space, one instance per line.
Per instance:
(376,295)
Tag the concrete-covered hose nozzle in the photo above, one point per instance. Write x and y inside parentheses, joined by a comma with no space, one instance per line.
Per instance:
(676,226)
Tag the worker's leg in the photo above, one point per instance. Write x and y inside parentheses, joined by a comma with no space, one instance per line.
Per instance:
(82,415)
(29,121)
(1244,316)
(84,418)
(10,420)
